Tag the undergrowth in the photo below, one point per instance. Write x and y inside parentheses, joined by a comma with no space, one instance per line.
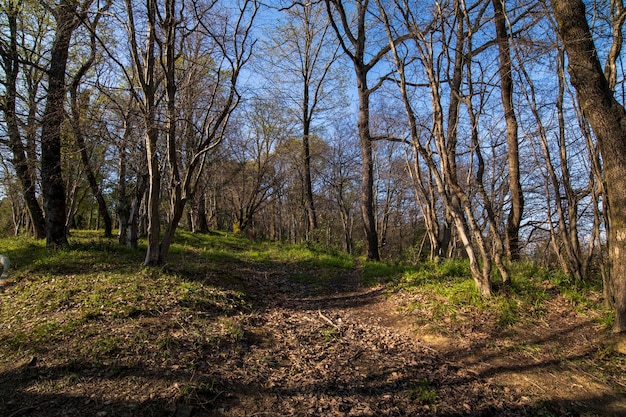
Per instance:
(94,311)
(81,301)
(445,291)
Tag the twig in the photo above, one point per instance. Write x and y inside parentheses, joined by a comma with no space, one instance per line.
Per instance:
(328,320)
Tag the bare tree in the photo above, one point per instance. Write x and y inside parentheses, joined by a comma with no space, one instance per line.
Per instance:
(607,118)
(354,34)
(339,172)
(256,177)
(506,88)
(145,73)
(232,48)
(439,151)
(304,54)
(77,107)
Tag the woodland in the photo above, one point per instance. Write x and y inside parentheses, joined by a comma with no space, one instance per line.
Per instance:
(288,190)
(489,131)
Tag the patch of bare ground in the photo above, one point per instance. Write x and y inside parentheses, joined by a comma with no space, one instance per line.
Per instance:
(305,349)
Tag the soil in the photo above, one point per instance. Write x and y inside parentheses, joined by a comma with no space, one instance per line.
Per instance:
(337,349)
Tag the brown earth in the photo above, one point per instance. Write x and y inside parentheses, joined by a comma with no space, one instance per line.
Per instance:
(341,349)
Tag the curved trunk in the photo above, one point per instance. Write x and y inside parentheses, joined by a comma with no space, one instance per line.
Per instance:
(608,120)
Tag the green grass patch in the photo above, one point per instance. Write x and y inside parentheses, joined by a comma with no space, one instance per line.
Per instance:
(423,392)
(375,273)
(92,297)
(446,292)
(95,299)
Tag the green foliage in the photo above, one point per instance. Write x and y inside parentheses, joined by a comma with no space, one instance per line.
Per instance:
(6,225)
(375,273)
(329,334)
(446,292)
(423,392)
(94,284)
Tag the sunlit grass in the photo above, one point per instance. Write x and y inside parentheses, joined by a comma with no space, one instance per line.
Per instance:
(95,283)
(446,292)
(83,297)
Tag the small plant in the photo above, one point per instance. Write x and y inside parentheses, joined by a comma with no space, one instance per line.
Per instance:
(196,392)
(105,346)
(165,342)
(329,333)
(231,329)
(508,314)
(423,392)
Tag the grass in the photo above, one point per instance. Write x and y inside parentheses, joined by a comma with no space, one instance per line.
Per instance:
(446,292)
(95,283)
(423,392)
(95,306)
(98,280)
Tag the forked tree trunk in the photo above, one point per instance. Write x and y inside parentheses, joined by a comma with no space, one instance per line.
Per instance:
(608,120)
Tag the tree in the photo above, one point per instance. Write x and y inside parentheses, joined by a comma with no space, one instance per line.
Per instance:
(607,118)
(222,47)
(438,147)
(506,88)
(340,175)
(68,16)
(24,157)
(256,176)
(77,107)
(304,54)
(232,49)
(354,35)
(144,70)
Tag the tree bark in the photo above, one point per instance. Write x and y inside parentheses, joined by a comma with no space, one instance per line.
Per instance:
(608,120)
(306,159)
(367,168)
(145,68)
(24,168)
(53,117)
(506,89)
(202,225)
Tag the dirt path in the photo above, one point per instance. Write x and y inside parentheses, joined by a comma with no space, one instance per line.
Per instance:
(344,350)
(307,343)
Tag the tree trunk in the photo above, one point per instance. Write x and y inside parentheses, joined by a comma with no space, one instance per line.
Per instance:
(367,168)
(53,116)
(145,68)
(608,121)
(23,167)
(359,55)
(134,217)
(506,89)
(308,187)
(202,226)
(154,195)
(123,201)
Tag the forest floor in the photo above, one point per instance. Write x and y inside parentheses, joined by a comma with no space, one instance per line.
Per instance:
(281,338)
